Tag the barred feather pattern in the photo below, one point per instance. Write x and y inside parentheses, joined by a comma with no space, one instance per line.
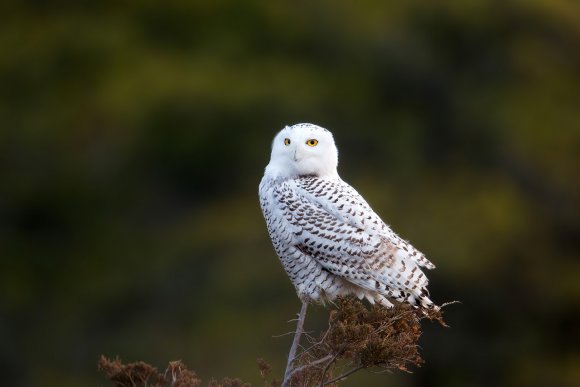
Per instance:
(329,240)
(332,243)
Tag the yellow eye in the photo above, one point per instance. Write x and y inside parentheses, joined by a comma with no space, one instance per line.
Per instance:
(312,142)
(286,141)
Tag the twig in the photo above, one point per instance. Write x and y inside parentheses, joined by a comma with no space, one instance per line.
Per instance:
(314,343)
(325,370)
(314,363)
(346,374)
(284,334)
(295,342)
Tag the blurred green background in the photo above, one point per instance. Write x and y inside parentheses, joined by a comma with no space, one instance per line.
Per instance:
(133,136)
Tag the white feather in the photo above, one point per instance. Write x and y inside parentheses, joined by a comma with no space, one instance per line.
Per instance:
(328,238)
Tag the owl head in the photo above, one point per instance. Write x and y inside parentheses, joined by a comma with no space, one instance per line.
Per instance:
(303,150)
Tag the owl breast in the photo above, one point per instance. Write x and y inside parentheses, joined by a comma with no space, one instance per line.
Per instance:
(311,280)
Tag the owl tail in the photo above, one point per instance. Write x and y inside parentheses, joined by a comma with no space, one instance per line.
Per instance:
(422,300)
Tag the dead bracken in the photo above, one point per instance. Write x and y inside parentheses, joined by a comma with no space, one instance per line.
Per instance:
(358,337)
(142,374)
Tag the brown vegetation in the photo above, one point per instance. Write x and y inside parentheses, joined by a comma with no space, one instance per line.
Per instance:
(358,337)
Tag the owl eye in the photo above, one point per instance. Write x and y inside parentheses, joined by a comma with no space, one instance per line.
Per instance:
(286,141)
(312,142)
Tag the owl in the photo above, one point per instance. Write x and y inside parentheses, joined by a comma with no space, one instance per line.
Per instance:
(329,240)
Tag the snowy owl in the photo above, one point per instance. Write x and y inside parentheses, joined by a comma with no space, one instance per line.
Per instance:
(331,243)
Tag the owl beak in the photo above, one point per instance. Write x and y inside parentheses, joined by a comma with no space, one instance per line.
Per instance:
(297,155)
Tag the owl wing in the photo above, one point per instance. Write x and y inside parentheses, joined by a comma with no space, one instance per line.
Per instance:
(334,225)
(354,208)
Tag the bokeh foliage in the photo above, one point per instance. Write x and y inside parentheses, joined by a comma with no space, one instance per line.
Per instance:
(133,136)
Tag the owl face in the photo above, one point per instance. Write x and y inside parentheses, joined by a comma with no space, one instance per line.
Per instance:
(303,149)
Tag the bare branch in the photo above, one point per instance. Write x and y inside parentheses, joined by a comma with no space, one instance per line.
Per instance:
(312,364)
(343,376)
(325,370)
(295,342)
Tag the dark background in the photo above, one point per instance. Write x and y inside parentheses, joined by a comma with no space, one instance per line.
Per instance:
(133,136)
